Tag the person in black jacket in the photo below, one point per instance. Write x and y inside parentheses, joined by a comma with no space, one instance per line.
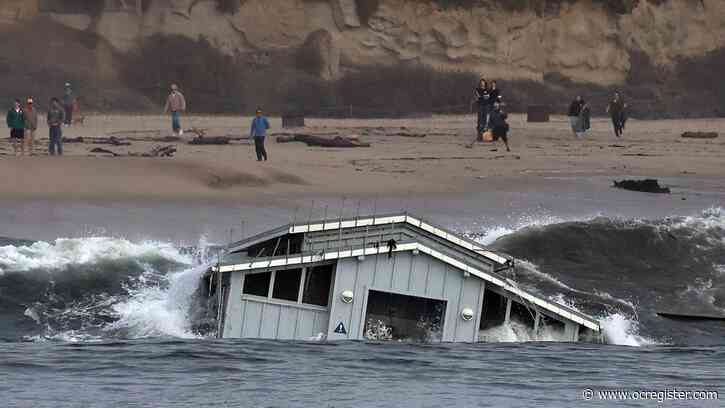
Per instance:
(482,98)
(495,94)
(499,126)
(616,109)
(575,110)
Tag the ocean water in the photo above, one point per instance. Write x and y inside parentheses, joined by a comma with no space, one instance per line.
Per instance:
(108,321)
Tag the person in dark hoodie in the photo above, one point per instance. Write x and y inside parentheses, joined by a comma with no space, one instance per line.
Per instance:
(495,94)
(16,122)
(575,110)
(56,118)
(499,126)
(482,98)
(616,110)
(585,118)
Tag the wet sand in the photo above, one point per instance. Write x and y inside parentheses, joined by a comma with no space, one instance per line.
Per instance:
(397,164)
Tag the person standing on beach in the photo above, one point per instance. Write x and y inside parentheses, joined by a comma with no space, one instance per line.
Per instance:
(68,100)
(575,110)
(482,98)
(56,118)
(616,110)
(16,122)
(499,126)
(585,118)
(176,104)
(258,132)
(495,95)
(31,125)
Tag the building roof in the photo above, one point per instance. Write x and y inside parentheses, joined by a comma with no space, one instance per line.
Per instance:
(346,223)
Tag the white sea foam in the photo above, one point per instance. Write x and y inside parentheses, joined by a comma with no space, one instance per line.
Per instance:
(623,330)
(491,233)
(159,310)
(77,251)
(515,332)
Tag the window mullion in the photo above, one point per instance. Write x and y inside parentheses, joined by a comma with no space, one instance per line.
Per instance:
(303,278)
(271,285)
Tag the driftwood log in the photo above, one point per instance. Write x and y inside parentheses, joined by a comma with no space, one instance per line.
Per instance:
(159,151)
(318,141)
(114,141)
(156,151)
(212,140)
(700,135)
(645,186)
(406,134)
(104,151)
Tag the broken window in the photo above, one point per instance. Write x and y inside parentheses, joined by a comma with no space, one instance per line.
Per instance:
(494,309)
(287,244)
(257,284)
(523,314)
(317,285)
(400,317)
(551,325)
(287,284)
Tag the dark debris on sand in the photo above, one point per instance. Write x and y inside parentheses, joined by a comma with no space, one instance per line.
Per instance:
(645,186)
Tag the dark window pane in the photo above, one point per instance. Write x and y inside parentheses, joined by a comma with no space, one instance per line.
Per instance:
(522,314)
(494,309)
(257,284)
(287,284)
(400,317)
(317,285)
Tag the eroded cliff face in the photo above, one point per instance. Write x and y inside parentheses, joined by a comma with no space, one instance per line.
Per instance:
(581,40)
(578,40)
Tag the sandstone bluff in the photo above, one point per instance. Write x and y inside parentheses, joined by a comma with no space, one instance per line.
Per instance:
(551,42)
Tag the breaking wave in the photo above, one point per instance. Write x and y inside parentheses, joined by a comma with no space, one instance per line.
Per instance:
(621,271)
(625,271)
(94,288)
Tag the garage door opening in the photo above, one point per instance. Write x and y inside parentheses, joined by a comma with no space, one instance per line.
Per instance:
(392,316)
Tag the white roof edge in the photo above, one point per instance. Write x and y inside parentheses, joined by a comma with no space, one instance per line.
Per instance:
(404,218)
(349,253)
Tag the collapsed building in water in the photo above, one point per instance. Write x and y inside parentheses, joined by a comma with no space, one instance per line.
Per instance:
(392,277)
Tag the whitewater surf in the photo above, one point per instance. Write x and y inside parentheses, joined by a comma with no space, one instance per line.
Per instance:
(621,271)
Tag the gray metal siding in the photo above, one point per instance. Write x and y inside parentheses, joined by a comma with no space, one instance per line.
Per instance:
(280,322)
(252,318)
(404,273)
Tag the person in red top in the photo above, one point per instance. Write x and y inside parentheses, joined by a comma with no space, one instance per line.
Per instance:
(31,124)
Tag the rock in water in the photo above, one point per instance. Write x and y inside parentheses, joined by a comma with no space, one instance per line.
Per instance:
(645,186)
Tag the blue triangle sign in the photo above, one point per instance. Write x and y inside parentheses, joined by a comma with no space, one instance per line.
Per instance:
(340,329)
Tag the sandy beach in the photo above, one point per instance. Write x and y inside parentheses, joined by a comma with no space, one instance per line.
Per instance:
(410,156)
